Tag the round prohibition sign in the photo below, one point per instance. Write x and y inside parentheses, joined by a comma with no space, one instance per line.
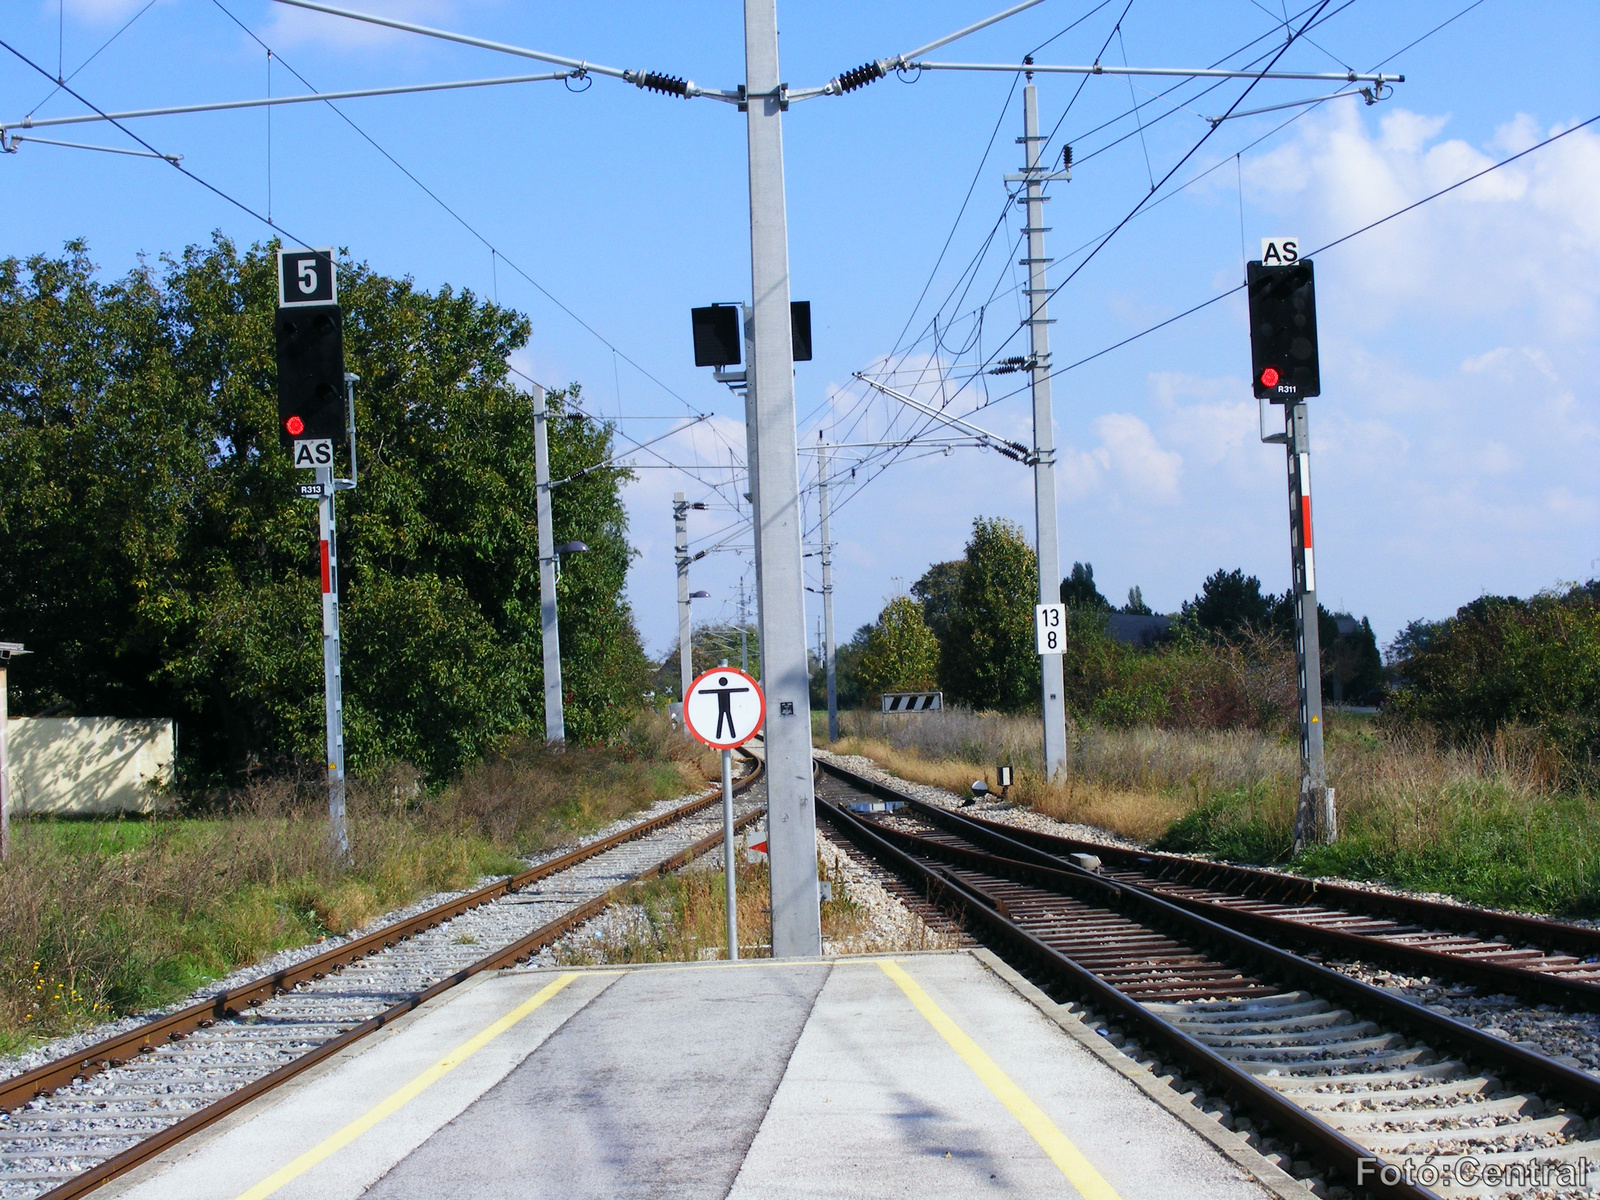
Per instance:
(725,708)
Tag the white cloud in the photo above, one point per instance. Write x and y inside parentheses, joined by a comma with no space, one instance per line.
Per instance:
(1523,242)
(1130,451)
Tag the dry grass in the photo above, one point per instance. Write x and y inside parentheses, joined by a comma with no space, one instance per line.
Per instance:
(683,918)
(109,917)
(1491,822)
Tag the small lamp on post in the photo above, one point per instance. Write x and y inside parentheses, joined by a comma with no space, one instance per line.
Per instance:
(569,548)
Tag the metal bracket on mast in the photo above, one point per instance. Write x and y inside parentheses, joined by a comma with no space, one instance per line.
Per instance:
(991,441)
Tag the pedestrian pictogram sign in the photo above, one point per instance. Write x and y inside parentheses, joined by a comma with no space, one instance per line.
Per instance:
(725,708)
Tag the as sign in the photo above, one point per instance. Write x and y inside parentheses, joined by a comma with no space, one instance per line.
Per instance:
(318,453)
(306,277)
(1280,251)
(1050,627)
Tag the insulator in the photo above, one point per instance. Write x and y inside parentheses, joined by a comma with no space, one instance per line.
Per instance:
(1066,157)
(861,76)
(668,85)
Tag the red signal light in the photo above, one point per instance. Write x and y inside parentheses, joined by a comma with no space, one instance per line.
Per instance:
(296,426)
(1269,377)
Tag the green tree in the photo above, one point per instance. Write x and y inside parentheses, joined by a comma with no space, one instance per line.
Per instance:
(1136,607)
(989,659)
(160,563)
(1231,603)
(1352,665)
(939,592)
(1503,661)
(901,654)
(709,644)
(1078,589)
(846,677)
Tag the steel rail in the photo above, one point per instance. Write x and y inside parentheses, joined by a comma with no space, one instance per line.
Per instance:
(1294,889)
(114,1051)
(901,850)
(1543,987)
(975,907)
(517,952)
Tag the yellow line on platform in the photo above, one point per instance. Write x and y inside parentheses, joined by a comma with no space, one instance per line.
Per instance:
(1080,1173)
(404,1096)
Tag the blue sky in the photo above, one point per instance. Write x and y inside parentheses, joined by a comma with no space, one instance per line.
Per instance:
(1456,438)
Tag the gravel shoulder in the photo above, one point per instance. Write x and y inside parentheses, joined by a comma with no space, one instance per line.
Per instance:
(70,1044)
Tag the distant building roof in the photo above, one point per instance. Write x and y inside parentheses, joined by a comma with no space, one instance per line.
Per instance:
(1137,630)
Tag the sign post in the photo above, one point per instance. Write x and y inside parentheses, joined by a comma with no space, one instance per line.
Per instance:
(725,708)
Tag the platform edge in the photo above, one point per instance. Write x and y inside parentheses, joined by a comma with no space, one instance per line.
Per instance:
(1261,1170)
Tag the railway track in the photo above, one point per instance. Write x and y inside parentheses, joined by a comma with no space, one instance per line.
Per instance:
(71,1125)
(1364,1089)
(1548,962)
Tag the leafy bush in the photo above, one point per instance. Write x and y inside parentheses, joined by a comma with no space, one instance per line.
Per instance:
(1502,662)
(1189,683)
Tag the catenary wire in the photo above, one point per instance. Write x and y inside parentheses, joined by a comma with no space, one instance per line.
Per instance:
(176,166)
(57,86)
(461,220)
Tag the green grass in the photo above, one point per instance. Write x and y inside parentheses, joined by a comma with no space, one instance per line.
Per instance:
(104,918)
(1473,840)
(1500,822)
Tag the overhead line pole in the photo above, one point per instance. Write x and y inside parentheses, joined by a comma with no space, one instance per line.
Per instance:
(791,814)
(555,719)
(680,544)
(752,454)
(828,644)
(1052,681)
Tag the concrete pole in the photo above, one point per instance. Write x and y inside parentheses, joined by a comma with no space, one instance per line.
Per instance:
(744,631)
(791,816)
(680,532)
(555,716)
(1052,689)
(1315,815)
(332,691)
(828,645)
(751,452)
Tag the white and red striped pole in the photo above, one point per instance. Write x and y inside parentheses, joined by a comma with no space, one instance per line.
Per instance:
(1314,815)
(333,694)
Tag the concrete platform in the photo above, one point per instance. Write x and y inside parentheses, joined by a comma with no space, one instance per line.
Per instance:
(922,1076)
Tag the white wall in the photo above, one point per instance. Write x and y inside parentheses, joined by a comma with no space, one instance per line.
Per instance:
(89,765)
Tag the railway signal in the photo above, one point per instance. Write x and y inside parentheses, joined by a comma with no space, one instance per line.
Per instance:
(1284,370)
(308,330)
(718,331)
(1283,323)
(316,411)
(725,708)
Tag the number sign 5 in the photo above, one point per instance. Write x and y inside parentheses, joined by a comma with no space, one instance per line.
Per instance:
(306,277)
(1050,627)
